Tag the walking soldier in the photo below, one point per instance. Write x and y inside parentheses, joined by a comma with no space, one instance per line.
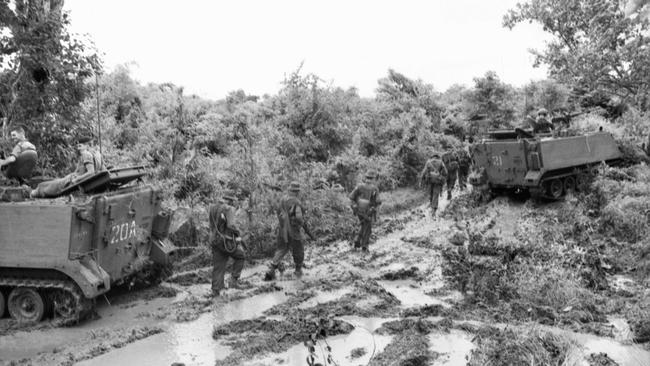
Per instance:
(226,243)
(365,201)
(291,217)
(434,176)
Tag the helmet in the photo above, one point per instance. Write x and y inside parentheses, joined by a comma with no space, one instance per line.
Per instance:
(542,111)
(370,174)
(294,186)
(228,197)
(435,154)
(83,139)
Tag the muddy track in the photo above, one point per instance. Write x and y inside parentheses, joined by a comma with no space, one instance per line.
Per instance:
(391,305)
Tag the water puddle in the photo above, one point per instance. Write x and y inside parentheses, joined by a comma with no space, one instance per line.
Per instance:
(190,342)
(622,331)
(454,347)
(325,296)
(624,355)
(361,340)
(410,293)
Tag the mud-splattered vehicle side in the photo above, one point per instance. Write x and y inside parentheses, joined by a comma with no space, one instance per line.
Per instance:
(59,254)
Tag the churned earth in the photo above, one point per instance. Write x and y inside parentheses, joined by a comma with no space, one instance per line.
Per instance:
(396,305)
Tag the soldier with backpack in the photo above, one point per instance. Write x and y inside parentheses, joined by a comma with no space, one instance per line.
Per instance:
(225,241)
(434,176)
(291,217)
(451,163)
(365,201)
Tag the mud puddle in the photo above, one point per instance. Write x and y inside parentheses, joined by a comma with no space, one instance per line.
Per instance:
(454,348)
(355,348)
(27,344)
(411,294)
(191,342)
(623,354)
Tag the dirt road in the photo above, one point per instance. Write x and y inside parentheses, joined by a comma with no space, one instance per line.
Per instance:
(386,307)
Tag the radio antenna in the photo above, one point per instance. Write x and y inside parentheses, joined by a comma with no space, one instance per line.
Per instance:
(99,125)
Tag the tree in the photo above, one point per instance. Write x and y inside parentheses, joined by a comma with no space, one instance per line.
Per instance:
(597,48)
(315,117)
(547,94)
(43,71)
(403,94)
(492,98)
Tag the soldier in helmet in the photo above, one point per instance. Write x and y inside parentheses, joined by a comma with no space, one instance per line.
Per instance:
(291,217)
(226,243)
(365,201)
(434,176)
(542,123)
(451,163)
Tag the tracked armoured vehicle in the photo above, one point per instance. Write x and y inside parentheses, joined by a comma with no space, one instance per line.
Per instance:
(543,165)
(57,255)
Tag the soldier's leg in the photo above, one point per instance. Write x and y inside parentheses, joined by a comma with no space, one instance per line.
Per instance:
(358,238)
(451,182)
(365,231)
(238,256)
(435,194)
(219,261)
(462,177)
(298,253)
(281,250)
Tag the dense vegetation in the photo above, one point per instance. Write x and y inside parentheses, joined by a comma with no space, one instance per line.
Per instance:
(310,130)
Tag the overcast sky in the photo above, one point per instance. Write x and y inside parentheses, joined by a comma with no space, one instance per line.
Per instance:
(213,47)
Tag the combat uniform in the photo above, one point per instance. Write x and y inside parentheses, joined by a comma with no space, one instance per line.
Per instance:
(464,162)
(451,163)
(90,161)
(542,125)
(21,147)
(434,176)
(225,243)
(291,217)
(365,200)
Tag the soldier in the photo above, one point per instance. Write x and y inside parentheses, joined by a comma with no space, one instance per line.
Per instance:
(17,135)
(542,124)
(291,217)
(434,175)
(89,163)
(451,163)
(365,201)
(225,241)
(464,162)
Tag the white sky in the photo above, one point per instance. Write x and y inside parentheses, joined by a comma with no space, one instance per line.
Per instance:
(213,47)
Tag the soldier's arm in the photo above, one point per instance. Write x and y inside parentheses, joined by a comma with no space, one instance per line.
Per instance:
(443,170)
(355,193)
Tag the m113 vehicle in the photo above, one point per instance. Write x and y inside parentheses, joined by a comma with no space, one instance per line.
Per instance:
(543,165)
(57,255)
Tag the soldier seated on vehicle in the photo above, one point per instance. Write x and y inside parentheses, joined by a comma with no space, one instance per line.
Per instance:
(22,160)
(542,124)
(89,163)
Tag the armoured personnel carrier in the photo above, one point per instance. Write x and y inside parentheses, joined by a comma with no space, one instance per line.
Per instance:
(543,164)
(57,255)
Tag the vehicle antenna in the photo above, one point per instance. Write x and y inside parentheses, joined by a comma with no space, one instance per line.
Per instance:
(99,125)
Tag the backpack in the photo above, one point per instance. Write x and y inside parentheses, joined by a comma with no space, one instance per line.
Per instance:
(450,161)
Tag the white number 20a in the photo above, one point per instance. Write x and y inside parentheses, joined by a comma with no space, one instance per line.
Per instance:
(122,232)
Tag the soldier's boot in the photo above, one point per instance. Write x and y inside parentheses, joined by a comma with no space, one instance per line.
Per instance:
(448,195)
(298,272)
(234,283)
(270,274)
